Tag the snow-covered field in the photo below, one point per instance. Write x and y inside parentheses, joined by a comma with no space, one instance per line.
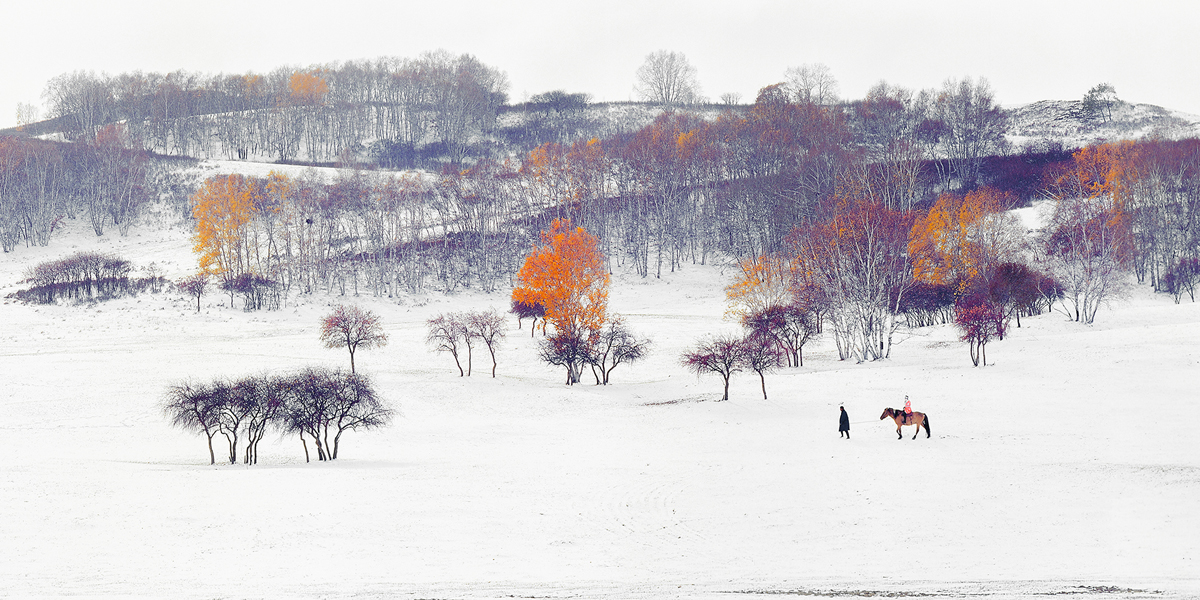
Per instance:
(1070,466)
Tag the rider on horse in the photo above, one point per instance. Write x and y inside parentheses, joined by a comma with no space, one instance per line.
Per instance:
(907,410)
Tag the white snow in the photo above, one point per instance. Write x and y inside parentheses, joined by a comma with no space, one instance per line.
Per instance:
(1070,464)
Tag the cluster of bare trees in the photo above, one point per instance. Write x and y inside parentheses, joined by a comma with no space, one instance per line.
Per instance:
(601,350)
(1161,196)
(86,276)
(452,333)
(315,404)
(1122,207)
(320,113)
(42,183)
(725,355)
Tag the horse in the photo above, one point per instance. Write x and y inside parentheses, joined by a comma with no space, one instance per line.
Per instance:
(917,418)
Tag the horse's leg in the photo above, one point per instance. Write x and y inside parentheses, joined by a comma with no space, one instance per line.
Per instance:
(899,435)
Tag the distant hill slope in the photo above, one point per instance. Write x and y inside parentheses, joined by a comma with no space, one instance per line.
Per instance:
(1064,122)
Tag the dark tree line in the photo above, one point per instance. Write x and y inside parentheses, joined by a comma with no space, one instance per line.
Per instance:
(85,276)
(316,404)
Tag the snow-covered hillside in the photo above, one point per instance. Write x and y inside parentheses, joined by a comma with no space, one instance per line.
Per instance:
(1070,466)
(1060,122)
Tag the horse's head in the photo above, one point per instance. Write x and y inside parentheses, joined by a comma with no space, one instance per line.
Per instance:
(887,412)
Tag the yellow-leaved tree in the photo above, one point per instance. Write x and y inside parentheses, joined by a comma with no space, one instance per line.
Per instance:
(566,275)
(223,208)
(307,88)
(764,281)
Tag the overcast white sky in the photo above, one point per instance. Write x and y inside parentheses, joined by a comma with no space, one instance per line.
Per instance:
(1028,49)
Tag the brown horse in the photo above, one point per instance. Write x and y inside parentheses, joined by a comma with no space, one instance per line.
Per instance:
(917,418)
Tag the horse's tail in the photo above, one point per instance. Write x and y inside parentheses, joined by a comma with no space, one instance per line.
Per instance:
(927,430)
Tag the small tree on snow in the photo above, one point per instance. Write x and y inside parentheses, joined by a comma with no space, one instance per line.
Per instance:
(979,324)
(192,407)
(487,327)
(324,401)
(615,344)
(447,334)
(760,354)
(194,286)
(352,327)
(722,355)
(568,350)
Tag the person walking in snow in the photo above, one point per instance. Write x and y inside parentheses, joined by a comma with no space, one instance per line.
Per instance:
(844,423)
(907,409)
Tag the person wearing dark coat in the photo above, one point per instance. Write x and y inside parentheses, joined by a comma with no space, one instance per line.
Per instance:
(844,423)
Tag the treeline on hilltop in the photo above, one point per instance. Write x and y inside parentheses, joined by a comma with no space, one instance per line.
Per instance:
(318,114)
(438,108)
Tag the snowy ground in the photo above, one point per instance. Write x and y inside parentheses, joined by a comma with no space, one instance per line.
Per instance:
(1070,466)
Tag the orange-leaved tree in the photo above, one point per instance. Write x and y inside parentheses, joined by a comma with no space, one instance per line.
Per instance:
(223,208)
(567,276)
(961,238)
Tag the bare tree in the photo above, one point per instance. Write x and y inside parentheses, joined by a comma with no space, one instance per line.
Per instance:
(27,114)
(760,354)
(1099,102)
(1087,250)
(262,400)
(972,127)
(531,310)
(789,327)
(355,405)
(615,344)
(723,355)
(667,78)
(978,325)
(446,334)
(352,327)
(231,413)
(324,401)
(812,84)
(489,328)
(191,407)
(568,349)
(308,402)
